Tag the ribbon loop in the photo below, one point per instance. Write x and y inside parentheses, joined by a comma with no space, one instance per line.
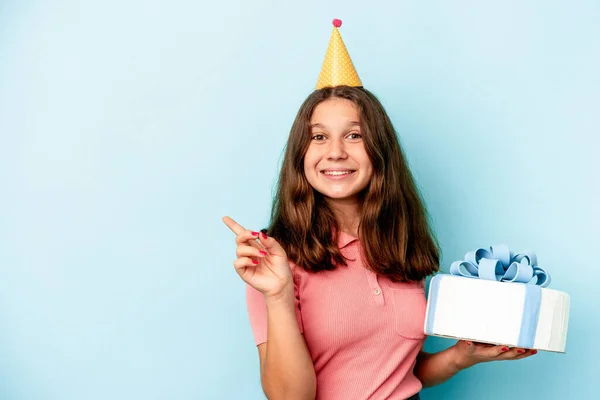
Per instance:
(498,263)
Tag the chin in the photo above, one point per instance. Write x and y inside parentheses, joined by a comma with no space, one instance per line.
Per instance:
(340,196)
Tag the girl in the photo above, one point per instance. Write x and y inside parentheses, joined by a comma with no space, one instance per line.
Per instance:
(335,285)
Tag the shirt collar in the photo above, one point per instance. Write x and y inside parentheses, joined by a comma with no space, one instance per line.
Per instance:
(344,239)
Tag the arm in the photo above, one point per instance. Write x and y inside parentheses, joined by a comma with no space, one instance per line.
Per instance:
(436,368)
(433,369)
(286,368)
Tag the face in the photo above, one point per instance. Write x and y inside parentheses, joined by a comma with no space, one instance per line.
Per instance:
(336,163)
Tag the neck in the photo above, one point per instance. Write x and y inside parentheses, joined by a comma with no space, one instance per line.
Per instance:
(347,216)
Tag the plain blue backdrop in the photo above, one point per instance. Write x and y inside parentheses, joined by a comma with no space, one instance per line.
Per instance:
(129,128)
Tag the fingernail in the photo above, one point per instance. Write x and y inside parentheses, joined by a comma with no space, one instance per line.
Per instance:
(533,351)
(520,351)
(469,343)
(505,349)
(254,262)
(264,253)
(254,233)
(263,235)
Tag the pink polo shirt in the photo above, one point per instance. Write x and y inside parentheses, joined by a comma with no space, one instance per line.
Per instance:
(363,331)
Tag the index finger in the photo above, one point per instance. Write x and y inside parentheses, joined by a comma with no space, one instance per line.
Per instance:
(234,226)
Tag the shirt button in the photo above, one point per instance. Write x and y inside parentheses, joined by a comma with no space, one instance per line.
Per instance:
(377,291)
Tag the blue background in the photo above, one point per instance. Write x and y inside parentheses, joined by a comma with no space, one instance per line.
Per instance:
(128,128)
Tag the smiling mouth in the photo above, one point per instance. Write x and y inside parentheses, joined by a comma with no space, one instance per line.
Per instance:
(338,173)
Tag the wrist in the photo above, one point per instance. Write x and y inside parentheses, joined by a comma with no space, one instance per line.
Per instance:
(282,297)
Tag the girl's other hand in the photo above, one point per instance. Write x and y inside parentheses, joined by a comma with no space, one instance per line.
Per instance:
(261,262)
(469,353)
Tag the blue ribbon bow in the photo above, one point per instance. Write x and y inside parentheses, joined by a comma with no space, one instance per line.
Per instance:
(498,263)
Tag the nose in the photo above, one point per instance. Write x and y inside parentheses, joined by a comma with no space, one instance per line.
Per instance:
(336,150)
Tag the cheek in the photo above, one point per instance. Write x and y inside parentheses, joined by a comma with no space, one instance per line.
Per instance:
(306,164)
(370,167)
(365,163)
(309,161)
(369,171)
(308,170)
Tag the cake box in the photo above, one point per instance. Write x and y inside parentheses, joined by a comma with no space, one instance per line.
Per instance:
(497,297)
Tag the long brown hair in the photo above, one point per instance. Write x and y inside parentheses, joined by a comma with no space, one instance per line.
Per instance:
(393,230)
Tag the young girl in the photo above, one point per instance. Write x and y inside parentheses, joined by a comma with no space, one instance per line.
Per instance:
(336,283)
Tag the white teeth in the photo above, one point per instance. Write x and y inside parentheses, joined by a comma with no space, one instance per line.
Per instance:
(337,173)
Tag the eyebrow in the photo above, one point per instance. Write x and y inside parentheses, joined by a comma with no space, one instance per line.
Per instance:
(318,125)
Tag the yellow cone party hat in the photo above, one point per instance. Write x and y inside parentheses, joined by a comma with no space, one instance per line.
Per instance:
(337,69)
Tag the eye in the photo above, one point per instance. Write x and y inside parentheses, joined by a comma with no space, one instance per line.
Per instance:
(354,136)
(318,136)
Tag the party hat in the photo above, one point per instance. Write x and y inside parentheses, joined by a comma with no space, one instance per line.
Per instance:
(337,67)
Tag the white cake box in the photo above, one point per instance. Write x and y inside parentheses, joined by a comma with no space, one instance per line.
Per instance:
(500,311)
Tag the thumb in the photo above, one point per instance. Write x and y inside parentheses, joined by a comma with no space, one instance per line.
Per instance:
(271,245)
(470,346)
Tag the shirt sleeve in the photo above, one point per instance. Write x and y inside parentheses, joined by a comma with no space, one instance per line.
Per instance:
(257,312)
